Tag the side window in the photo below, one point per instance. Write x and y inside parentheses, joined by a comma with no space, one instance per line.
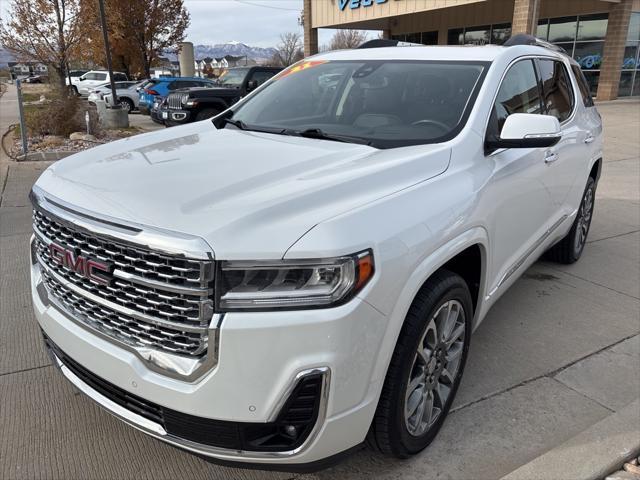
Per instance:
(556,89)
(519,93)
(261,76)
(119,77)
(583,85)
(100,76)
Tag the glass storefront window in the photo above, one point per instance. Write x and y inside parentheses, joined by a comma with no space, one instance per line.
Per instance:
(568,47)
(455,36)
(500,33)
(634,26)
(413,37)
(543,29)
(592,79)
(430,38)
(562,29)
(592,27)
(589,55)
(477,35)
(630,59)
(626,84)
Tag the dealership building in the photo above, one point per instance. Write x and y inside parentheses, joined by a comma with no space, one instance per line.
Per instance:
(602,35)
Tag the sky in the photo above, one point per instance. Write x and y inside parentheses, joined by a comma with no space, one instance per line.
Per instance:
(257,23)
(254,22)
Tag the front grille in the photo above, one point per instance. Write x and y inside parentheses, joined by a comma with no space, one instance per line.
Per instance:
(153,300)
(174,101)
(206,431)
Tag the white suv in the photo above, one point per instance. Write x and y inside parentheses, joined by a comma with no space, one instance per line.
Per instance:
(305,271)
(84,84)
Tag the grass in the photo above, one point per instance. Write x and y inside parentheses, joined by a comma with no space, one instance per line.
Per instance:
(30,97)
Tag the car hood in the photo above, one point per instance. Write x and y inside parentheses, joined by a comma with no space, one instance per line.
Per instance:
(248,194)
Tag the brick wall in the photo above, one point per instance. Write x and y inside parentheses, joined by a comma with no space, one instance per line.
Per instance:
(525,16)
(310,34)
(613,53)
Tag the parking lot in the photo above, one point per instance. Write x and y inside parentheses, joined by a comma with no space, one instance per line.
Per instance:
(558,353)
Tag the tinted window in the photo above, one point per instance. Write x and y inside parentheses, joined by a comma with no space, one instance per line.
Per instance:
(100,76)
(556,88)
(385,103)
(120,77)
(261,76)
(583,86)
(519,93)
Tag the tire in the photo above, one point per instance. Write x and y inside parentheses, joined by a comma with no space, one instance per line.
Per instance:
(127,104)
(394,430)
(206,113)
(570,248)
(74,90)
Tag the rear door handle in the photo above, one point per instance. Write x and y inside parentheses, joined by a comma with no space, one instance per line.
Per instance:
(589,138)
(550,157)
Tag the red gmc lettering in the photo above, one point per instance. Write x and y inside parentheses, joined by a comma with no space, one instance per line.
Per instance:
(91,269)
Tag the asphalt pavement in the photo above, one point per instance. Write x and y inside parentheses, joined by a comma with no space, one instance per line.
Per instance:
(558,353)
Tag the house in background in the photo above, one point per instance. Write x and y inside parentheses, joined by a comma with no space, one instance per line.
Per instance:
(24,69)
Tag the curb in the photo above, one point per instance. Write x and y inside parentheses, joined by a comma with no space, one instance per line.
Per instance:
(43,156)
(592,454)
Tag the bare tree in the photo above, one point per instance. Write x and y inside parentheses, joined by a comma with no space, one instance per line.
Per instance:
(289,51)
(45,31)
(345,39)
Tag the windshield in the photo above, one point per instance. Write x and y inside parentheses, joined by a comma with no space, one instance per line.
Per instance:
(233,78)
(382,103)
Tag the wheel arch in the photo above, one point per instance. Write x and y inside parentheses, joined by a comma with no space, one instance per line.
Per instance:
(596,170)
(471,244)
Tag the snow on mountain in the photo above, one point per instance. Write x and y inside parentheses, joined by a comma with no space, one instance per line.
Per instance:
(234,48)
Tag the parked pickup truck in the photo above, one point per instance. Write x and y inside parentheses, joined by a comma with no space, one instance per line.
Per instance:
(196,104)
(303,273)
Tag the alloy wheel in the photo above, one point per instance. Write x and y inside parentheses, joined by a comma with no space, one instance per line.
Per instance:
(434,369)
(584,220)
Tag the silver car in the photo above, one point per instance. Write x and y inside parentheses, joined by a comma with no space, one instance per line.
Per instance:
(126,91)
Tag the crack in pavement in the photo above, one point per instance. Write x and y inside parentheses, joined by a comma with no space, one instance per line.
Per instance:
(25,370)
(550,375)
(613,236)
(593,283)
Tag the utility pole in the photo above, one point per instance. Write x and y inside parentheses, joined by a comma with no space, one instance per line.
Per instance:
(105,35)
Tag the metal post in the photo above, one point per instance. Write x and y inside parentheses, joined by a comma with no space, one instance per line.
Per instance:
(107,50)
(23,128)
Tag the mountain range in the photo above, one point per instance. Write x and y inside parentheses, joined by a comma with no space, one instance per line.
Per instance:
(236,49)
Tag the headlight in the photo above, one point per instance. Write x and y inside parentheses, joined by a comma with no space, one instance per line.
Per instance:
(184,99)
(292,284)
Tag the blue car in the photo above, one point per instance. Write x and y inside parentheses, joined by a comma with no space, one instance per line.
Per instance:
(163,86)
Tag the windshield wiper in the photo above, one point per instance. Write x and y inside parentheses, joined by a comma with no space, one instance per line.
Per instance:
(321,135)
(236,123)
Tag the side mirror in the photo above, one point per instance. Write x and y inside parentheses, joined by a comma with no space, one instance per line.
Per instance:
(252,85)
(526,130)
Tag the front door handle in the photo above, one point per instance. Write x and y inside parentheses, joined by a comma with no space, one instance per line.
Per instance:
(589,138)
(550,157)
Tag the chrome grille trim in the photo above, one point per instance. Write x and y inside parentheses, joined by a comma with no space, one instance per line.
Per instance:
(159,301)
(174,101)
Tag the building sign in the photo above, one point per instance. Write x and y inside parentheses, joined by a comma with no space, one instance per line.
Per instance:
(353,4)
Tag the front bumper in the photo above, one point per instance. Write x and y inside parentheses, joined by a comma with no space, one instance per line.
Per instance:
(260,357)
(176,117)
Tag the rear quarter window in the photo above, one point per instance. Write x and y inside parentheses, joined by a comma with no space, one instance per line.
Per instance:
(583,86)
(558,98)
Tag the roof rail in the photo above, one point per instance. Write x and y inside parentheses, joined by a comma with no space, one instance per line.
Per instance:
(526,39)
(383,42)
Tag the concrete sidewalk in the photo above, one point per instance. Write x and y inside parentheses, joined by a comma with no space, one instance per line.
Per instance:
(557,354)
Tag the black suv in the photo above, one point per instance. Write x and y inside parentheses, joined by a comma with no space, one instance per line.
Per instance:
(194,104)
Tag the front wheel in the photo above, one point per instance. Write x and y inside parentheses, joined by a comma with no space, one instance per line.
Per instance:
(425,369)
(569,249)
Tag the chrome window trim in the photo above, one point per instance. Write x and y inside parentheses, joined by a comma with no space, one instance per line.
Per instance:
(157,431)
(533,58)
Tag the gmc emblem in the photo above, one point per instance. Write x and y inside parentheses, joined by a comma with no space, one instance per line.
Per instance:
(94,270)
